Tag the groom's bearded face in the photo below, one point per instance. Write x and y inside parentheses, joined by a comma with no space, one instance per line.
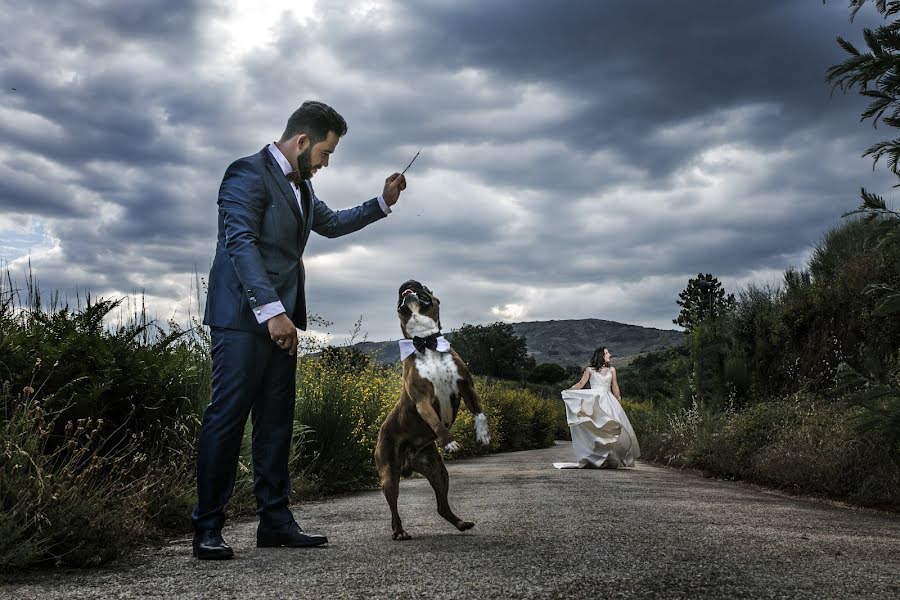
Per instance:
(304,163)
(316,155)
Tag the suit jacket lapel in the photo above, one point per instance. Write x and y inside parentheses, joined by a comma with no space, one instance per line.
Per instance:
(283,184)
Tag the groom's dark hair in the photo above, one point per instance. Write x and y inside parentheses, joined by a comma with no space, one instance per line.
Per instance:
(315,119)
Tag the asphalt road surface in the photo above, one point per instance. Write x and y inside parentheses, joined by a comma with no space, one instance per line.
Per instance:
(647,532)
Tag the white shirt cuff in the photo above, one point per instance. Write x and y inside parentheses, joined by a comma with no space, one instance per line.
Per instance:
(267,311)
(384,205)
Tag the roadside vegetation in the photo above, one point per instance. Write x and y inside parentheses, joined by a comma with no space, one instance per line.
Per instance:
(100,409)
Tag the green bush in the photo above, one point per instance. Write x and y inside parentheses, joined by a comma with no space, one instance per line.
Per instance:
(801,443)
(809,445)
(520,419)
(653,376)
(340,411)
(97,430)
(135,373)
(797,385)
(548,373)
(550,394)
(66,499)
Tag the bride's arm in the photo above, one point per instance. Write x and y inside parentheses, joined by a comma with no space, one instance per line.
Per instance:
(615,385)
(580,384)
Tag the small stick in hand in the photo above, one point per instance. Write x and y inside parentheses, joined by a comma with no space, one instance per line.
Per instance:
(411,162)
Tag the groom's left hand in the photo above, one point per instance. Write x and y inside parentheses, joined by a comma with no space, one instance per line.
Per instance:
(393,185)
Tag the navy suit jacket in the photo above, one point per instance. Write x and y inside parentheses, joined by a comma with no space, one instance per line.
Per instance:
(262,234)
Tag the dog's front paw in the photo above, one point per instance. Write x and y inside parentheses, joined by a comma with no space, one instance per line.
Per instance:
(451,447)
(481,430)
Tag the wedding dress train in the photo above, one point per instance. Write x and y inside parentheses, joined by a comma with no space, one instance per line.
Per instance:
(602,435)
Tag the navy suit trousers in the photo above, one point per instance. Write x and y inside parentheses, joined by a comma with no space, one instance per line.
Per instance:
(250,376)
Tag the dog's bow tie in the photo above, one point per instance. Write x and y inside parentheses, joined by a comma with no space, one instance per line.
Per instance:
(434,341)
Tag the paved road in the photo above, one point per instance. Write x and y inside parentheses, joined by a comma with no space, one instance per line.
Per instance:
(648,532)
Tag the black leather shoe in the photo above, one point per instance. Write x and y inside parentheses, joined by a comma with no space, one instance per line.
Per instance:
(289,535)
(209,545)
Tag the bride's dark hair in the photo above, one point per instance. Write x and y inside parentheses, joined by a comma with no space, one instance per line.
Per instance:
(598,360)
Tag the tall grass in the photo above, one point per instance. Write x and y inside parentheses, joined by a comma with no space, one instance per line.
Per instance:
(97,427)
(74,479)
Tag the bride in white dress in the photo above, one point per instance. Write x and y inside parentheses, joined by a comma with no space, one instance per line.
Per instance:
(602,435)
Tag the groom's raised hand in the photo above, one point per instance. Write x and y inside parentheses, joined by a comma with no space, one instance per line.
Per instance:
(393,185)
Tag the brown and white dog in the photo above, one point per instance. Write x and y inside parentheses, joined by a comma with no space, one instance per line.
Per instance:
(434,380)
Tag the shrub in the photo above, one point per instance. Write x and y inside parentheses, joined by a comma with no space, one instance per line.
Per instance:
(801,442)
(135,373)
(107,454)
(808,444)
(521,419)
(339,412)
(74,504)
(548,373)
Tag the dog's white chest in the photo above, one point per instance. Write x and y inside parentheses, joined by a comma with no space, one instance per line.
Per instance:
(440,369)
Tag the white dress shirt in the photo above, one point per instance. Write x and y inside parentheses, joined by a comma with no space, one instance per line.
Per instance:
(273,309)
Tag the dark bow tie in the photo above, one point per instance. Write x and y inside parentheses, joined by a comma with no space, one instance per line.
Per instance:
(295,178)
(429,342)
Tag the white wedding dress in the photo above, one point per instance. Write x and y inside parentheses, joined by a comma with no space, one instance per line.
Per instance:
(602,435)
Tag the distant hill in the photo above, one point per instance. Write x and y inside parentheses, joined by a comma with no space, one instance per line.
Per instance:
(567,342)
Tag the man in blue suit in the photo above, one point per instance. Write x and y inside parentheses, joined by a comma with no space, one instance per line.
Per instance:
(255,304)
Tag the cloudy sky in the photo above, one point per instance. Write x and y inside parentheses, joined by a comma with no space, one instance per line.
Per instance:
(579,158)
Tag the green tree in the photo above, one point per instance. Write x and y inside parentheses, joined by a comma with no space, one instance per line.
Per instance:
(494,350)
(876,75)
(703,298)
(654,375)
(548,373)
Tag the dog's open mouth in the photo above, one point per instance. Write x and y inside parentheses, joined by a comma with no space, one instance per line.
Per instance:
(413,291)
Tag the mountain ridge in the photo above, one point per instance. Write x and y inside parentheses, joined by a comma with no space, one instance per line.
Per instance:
(565,341)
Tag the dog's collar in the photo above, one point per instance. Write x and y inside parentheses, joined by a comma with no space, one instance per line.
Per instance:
(435,341)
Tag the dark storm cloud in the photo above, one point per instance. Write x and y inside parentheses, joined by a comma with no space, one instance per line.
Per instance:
(633,67)
(89,144)
(578,159)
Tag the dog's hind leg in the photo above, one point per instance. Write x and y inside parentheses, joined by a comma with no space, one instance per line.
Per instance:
(430,464)
(389,475)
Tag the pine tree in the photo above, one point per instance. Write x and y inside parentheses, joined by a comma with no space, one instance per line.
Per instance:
(703,298)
